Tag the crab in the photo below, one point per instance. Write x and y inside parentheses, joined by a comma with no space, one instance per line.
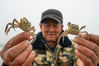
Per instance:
(24,24)
(72,29)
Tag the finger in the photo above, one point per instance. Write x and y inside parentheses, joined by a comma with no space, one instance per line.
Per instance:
(21,58)
(84,59)
(87,52)
(30,59)
(15,51)
(87,44)
(15,40)
(79,62)
(92,37)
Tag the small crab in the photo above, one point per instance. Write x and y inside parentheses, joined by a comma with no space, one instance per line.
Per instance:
(72,29)
(24,24)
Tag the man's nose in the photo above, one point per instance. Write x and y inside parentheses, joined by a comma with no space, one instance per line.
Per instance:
(51,29)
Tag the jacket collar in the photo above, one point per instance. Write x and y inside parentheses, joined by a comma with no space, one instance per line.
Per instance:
(40,42)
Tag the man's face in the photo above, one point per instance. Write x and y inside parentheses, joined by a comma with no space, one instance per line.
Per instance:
(51,30)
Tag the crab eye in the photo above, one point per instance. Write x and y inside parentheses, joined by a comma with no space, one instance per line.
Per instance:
(69,23)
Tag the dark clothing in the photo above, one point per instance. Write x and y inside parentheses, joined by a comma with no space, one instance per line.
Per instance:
(40,42)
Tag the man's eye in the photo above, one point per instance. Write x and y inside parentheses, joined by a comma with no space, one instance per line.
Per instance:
(55,26)
(47,25)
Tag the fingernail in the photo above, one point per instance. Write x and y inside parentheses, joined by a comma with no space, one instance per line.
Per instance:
(76,51)
(83,35)
(26,34)
(33,53)
(27,42)
(10,41)
(75,39)
(75,45)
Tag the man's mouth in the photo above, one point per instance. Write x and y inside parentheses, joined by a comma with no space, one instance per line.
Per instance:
(51,33)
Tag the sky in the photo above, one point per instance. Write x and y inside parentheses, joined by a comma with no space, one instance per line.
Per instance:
(81,12)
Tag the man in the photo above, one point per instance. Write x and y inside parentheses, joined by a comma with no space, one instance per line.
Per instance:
(46,52)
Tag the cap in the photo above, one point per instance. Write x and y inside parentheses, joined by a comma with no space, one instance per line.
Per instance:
(52,14)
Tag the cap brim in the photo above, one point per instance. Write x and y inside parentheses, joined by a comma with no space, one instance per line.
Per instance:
(51,17)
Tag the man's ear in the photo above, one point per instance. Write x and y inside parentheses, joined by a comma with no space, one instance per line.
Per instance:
(40,26)
(62,27)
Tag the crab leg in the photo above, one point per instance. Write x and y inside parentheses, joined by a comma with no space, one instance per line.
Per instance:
(82,27)
(33,29)
(62,35)
(13,25)
(8,29)
(33,37)
(65,34)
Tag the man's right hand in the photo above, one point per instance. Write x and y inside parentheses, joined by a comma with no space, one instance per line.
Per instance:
(18,51)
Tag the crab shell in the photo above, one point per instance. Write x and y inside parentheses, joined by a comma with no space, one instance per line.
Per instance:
(74,29)
(25,25)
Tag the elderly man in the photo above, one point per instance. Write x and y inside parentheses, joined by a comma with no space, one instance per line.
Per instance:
(45,51)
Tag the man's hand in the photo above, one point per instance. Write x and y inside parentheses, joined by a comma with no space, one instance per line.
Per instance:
(18,51)
(87,50)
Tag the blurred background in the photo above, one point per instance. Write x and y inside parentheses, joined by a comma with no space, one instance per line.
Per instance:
(81,12)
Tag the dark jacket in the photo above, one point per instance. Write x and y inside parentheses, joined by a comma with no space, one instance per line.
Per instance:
(40,42)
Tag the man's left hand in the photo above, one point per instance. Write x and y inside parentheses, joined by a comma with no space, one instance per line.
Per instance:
(87,50)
